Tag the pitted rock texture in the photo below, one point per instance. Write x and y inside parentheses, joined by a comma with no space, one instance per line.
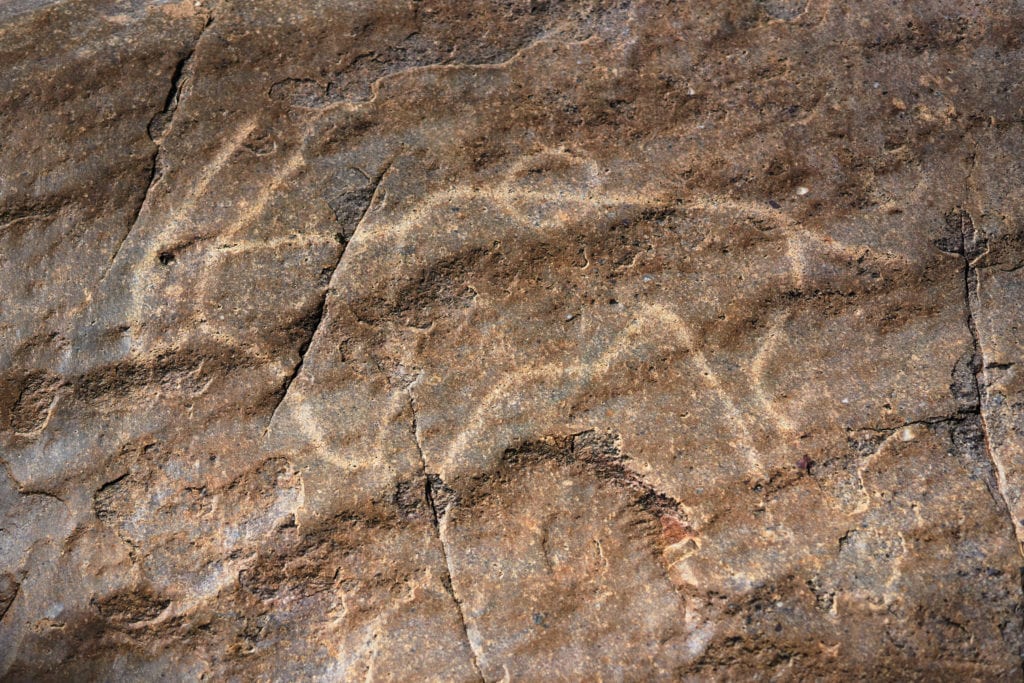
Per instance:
(511,341)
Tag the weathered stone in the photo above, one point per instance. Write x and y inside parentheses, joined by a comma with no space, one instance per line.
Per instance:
(519,340)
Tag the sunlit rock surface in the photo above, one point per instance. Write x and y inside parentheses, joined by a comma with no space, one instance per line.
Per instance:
(523,340)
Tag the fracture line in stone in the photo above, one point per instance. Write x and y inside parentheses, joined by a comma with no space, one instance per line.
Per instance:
(440,537)
(137,213)
(972,303)
(170,106)
(319,315)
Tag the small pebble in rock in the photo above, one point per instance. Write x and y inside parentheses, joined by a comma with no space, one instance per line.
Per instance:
(801,191)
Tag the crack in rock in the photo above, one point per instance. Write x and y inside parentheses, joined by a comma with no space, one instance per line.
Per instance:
(971,248)
(433,485)
(317,317)
(159,127)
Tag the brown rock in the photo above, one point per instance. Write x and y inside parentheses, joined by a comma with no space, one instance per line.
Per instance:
(515,340)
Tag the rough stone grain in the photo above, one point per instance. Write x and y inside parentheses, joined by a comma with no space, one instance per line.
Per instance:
(511,340)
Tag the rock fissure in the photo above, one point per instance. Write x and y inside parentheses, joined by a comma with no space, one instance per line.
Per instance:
(972,249)
(430,482)
(314,324)
(955,418)
(159,127)
(318,316)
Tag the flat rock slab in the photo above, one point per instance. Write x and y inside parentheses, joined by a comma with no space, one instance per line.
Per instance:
(511,341)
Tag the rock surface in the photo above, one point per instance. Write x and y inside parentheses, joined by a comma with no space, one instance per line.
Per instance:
(521,340)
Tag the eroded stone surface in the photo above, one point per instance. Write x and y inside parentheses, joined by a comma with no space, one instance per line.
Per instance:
(511,340)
